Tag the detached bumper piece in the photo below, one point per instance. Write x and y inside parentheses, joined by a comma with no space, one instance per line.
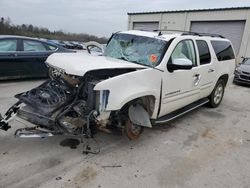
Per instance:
(4,126)
(8,116)
(34,132)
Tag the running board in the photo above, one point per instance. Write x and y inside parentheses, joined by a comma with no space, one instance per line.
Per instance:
(181,111)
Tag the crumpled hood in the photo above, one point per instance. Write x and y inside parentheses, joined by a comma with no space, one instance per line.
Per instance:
(80,63)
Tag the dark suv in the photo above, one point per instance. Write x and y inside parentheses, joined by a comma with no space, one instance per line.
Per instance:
(22,57)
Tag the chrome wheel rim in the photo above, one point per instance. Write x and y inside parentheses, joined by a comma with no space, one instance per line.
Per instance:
(218,94)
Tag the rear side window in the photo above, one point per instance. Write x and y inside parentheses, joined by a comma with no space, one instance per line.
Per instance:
(8,45)
(223,50)
(33,46)
(204,52)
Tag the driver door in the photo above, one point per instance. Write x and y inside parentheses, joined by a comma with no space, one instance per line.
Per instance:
(180,87)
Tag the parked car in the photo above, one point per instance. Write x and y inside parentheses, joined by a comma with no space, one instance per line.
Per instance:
(56,42)
(83,45)
(22,57)
(242,72)
(142,79)
(76,45)
(68,45)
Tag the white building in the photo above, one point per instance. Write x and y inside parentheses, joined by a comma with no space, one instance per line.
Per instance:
(232,23)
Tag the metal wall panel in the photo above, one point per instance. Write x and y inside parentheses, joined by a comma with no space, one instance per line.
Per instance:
(146,26)
(232,30)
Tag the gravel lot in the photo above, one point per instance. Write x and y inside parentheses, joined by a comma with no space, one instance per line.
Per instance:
(205,148)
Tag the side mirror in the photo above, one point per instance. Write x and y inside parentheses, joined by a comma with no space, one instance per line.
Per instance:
(180,63)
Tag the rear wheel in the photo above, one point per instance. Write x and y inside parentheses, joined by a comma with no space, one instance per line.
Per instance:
(217,94)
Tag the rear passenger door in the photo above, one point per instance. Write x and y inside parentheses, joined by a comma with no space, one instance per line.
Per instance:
(34,54)
(206,68)
(10,65)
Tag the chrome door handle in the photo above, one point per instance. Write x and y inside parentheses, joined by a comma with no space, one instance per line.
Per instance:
(197,80)
(196,75)
(210,70)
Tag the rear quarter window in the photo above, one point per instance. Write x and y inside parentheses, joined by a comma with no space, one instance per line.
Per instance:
(223,50)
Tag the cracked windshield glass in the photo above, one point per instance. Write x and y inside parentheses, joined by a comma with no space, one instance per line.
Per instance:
(137,49)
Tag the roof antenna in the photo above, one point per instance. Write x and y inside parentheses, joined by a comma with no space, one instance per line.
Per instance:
(159,34)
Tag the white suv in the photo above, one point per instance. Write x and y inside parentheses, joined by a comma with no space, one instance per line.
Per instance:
(142,78)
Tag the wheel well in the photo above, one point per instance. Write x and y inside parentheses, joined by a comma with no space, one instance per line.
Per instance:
(224,78)
(148,102)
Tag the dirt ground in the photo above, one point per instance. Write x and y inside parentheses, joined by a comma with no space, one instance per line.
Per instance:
(205,148)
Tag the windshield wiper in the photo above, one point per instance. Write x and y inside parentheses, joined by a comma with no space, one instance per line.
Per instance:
(135,62)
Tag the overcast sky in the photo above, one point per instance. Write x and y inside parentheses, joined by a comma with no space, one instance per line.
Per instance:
(98,17)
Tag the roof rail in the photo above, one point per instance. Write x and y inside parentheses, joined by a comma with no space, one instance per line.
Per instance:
(203,34)
(190,33)
(160,31)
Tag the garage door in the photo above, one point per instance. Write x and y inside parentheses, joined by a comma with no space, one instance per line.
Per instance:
(233,30)
(146,26)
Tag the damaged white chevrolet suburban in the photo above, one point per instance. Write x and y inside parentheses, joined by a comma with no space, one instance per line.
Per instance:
(141,79)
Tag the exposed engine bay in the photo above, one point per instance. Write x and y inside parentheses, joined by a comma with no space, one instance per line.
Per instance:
(66,104)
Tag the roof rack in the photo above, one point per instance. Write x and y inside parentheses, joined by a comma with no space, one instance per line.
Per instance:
(190,33)
(203,34)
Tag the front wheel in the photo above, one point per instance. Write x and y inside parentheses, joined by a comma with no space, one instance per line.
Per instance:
(217,94)
(133,131)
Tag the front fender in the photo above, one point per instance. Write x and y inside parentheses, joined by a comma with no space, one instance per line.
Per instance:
(127,87)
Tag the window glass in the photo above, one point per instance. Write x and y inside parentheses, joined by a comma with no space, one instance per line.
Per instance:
(246,62)
(184,50)
(50,47)
(223,50)
(95,49)
(33,46)
(137,49)
(204,52)
(8,45)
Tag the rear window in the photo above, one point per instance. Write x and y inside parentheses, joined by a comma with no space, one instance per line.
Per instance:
(223,50)
(204,52)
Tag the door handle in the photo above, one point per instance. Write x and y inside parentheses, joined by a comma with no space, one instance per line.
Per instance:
(198,78)
(196,75)
(210,70)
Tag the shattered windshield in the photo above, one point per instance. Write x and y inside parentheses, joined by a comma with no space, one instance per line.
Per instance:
(137,49)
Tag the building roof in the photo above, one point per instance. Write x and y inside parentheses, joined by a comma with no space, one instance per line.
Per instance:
(191,10)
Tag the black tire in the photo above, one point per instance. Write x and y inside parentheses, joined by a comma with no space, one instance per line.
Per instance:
(217,94)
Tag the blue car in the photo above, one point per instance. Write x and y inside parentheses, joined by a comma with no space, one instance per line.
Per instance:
(23,57)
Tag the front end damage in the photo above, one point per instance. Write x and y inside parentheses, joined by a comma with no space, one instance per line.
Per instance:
(66,105)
